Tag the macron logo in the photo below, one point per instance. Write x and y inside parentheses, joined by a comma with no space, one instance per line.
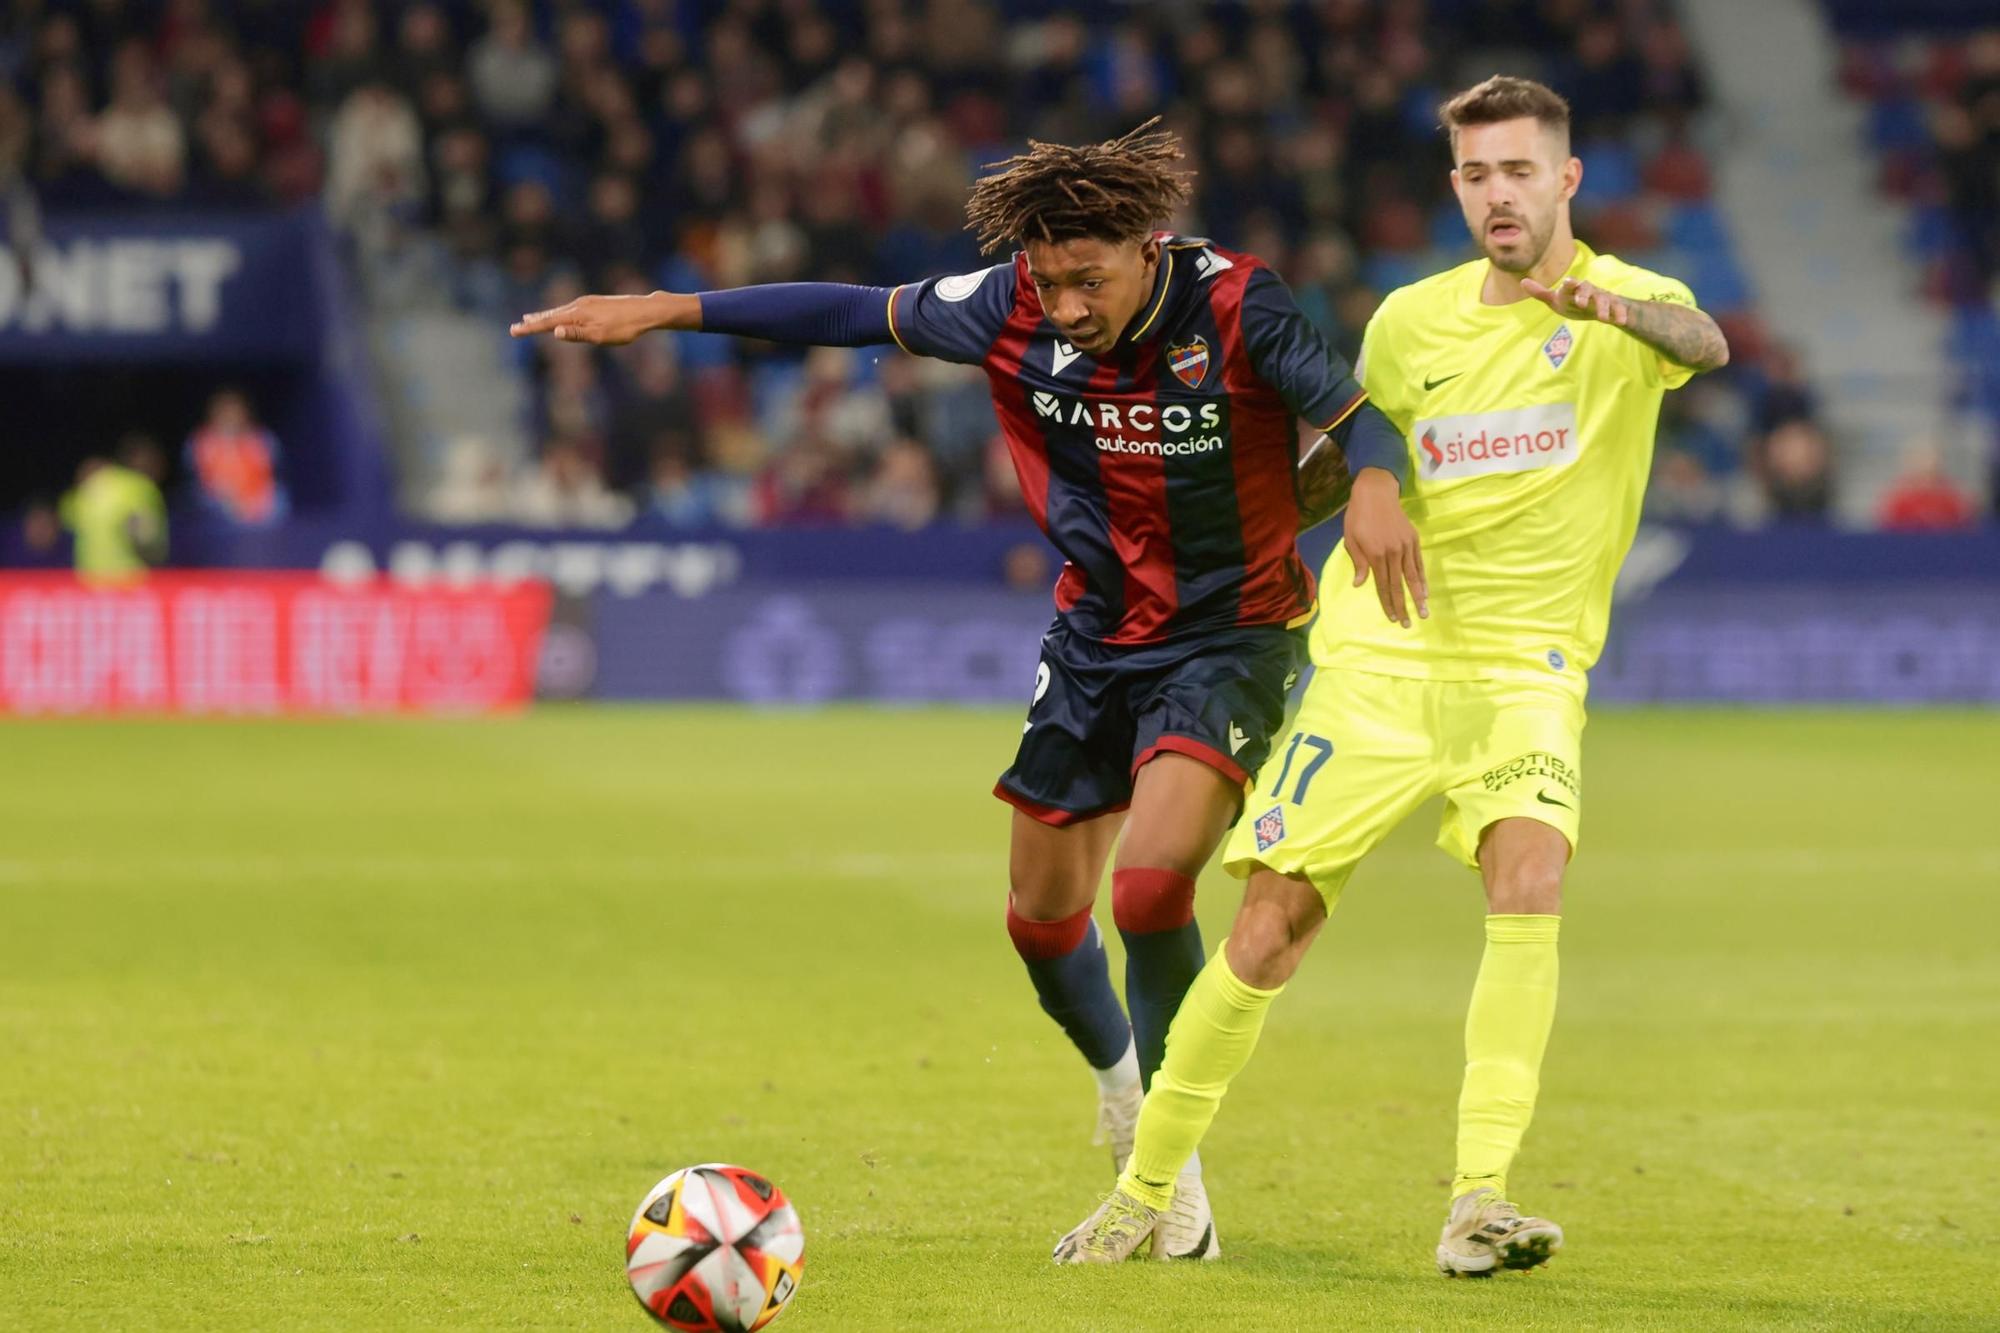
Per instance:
(1476,444)
(1208,263)
(1060,356)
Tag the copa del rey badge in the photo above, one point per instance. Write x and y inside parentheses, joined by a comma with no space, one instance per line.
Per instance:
(1189,362)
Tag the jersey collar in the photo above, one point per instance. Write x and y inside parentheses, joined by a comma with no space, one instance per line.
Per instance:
(1528,310)
(1147,324)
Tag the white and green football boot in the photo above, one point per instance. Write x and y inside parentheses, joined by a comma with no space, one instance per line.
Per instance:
(1484,1233)
(1111,1235)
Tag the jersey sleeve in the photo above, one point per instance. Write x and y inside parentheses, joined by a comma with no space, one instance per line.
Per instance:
(1288,354)
(1637,284)
(830,314)
(1315,381)
(953,318)
(1381,371)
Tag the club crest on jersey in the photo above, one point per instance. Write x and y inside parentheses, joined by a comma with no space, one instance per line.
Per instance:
(1189,362)
(1270,828)
(1556,349)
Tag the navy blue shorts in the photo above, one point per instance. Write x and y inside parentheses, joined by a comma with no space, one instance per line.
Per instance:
(1102,710)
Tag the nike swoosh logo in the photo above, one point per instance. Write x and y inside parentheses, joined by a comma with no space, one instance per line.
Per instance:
(1237,740)
(1547,799)
(1060,358)
(1430,384)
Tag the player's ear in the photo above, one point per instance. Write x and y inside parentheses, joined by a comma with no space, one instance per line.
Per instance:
(1149,251)
(1572,178)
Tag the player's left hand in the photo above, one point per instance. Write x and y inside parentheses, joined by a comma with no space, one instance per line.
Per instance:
(605,321)
(1383,543)
(1573,298)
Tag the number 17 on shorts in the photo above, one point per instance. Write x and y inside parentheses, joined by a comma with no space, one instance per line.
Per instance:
(1269,828)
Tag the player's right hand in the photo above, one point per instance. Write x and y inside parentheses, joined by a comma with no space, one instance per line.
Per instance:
(1381,541)
(606,321)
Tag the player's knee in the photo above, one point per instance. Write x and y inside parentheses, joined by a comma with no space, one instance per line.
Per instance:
(1263,948)
(1180,843)
(1048,897)
(1147,900)
(1277,921)
(1526,888)
(1053,885)
(1037,939)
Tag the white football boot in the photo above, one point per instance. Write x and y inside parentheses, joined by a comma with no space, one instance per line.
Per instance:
(1187,1228)
(1110,1235)
(1485,1233)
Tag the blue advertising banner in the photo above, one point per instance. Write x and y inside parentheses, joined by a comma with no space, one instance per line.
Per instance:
(884,643)
(153,288)
(346,543)
(1804,644)
(926,643)
(1787,615)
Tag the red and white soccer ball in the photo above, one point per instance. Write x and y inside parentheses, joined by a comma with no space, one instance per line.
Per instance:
(715,1249)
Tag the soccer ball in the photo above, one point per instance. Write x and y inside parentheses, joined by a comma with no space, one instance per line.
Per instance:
(715,1249)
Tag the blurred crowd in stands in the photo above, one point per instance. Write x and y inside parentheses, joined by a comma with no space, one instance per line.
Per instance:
(1933,118)
(534,152)
(116,512)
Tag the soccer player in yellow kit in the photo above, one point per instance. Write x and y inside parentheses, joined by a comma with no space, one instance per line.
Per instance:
(1528,386)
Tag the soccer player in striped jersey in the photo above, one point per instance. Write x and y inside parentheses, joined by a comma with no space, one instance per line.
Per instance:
(1149,387)
(1528,384)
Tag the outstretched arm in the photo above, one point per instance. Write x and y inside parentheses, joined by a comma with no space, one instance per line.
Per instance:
(1680,333)
(826,313)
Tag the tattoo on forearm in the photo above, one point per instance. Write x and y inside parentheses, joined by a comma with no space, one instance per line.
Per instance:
(1687,336)
(1324,484)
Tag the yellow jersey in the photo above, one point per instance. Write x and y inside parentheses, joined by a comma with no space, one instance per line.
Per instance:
(1531,437)
(118,517)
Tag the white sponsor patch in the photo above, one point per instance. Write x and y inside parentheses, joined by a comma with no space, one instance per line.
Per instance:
(1474,444)
(962,285)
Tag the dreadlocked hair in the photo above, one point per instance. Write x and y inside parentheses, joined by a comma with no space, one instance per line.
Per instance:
(1119,190)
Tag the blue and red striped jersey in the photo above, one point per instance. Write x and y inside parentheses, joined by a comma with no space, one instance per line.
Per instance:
(1164,474)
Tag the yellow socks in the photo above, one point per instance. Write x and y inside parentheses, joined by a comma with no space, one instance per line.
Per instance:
(1207,1046)
(1506,1031)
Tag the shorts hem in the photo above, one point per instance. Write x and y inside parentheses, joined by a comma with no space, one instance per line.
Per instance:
(1329,886)
(1053,816)
(1193,749)
(1466,852)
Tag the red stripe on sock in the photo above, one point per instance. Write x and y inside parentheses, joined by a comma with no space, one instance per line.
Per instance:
(1145,900)
(1037,940)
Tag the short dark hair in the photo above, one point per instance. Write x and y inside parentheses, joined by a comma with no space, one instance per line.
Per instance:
(1504,97)
(1119,190)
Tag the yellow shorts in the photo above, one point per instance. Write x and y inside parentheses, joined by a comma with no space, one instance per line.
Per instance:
(1366,750)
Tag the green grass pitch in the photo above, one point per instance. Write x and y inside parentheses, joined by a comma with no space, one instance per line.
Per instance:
(389,1025)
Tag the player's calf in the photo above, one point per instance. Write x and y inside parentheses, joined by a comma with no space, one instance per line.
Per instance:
(1154,910)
